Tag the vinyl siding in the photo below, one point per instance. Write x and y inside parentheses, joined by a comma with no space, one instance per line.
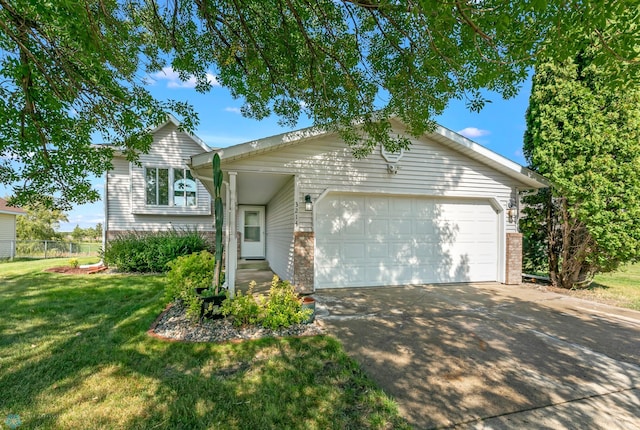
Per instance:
(280,224)
(427,169)
(126,200)
(7,234)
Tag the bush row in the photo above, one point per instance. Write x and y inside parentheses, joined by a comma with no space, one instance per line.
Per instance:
(151,252)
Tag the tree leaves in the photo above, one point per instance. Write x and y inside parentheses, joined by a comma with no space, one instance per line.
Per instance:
(584,137)
(74,70)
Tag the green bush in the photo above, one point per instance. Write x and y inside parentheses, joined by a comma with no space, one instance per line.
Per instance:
(151,252)
(187,273)
(73,262)
(245,309)
(283,307)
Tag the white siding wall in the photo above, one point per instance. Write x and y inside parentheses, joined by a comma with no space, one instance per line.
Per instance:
(279,220)
(428,169)
(7,234)
(126,189)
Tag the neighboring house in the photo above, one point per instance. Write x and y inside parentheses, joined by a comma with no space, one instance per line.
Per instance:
(160,193)
(443,211)
(8,216)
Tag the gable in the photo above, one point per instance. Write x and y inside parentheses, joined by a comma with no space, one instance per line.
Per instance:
(458,144)
(428,164)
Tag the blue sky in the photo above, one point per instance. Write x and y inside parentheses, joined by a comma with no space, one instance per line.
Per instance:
(499,127)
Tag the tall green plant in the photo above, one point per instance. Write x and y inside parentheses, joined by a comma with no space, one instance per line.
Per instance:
(584,137)
(219,217)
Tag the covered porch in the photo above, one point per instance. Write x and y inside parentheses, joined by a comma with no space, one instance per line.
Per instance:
(259,220)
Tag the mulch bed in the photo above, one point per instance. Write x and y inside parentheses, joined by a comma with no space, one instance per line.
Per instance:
(173,324)
(68,270)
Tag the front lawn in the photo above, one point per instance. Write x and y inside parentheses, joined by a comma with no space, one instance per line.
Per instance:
(621,288)
(74,353)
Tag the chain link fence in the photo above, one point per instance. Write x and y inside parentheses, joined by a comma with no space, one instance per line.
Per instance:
(47,249)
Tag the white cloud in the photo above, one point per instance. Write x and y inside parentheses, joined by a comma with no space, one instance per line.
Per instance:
(233,109)
(473,132)
(174,81)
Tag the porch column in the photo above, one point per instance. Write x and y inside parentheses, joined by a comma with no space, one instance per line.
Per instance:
(232,247)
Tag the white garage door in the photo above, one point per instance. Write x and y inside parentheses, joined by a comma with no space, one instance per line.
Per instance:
(369,240)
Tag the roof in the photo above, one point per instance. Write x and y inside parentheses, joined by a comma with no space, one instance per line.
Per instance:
(4,209)
(441,135)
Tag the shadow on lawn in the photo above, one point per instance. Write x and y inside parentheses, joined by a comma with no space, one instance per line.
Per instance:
(76,355)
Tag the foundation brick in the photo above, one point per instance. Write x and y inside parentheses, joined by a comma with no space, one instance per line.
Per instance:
(514,259)
(303,261)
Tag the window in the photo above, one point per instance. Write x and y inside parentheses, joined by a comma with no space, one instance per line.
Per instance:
(162,183)
(184,188)
(251,226)
(157,186)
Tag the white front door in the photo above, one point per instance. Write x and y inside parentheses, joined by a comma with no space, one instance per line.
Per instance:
(252,232)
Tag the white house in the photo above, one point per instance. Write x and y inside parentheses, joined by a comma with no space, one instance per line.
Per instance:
(160,193)
(443,211)
(8,216)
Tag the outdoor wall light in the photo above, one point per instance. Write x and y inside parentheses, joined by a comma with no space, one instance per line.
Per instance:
(307,203)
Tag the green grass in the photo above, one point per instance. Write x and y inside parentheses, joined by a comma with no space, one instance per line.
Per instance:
(621,287)
(74,353)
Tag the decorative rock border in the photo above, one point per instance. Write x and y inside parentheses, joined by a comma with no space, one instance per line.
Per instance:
(173,325)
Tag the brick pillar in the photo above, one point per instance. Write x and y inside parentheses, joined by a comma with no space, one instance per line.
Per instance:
(514,259)
(303,268)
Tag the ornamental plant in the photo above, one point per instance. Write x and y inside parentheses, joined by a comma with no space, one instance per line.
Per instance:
(584,137)
(245,309)
(185,275)
(282,307)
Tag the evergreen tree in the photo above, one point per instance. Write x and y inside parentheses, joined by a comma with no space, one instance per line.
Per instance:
(584,136)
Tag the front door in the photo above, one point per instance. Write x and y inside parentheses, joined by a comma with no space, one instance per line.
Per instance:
(252,232)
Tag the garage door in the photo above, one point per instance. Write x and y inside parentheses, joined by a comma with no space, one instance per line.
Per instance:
(372,240)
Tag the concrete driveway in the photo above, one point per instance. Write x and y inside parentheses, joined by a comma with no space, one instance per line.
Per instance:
(489,356)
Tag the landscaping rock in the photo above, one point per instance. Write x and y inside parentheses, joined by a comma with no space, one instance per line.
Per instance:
(174,324)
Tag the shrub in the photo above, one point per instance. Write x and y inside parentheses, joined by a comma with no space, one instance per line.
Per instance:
(245,309)
(73,262)
(283,307)
(151,252)
(187,273)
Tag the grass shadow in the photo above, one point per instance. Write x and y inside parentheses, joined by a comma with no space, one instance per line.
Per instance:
(75,354)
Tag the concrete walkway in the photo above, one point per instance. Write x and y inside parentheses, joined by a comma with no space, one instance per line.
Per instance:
(489,356)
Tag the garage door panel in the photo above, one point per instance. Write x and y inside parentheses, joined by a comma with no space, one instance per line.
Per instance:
(424,227)
(353,227)
(400,207)
(381,240)
(378,227)
(400,226)
(378,206)
(354,251)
